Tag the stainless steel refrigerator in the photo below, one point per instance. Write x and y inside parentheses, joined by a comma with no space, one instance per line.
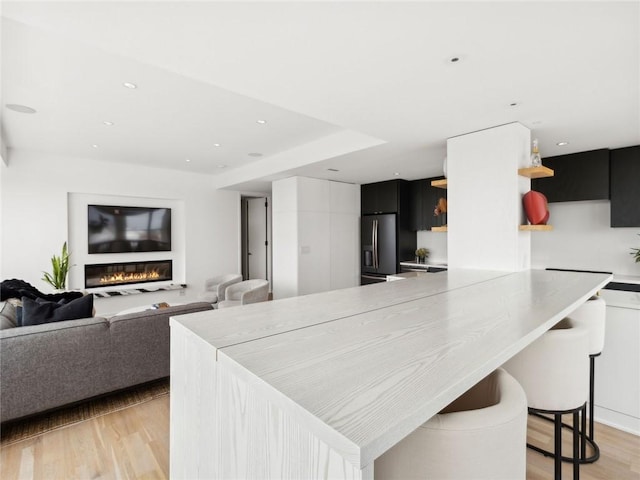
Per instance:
(379,247)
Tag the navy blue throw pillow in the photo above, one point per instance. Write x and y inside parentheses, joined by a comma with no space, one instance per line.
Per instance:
(37,312)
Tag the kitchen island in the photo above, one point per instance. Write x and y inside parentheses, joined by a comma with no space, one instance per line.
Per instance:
(321,385)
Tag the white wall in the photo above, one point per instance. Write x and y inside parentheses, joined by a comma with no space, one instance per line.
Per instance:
(315,236)
(34,199)
(582,239)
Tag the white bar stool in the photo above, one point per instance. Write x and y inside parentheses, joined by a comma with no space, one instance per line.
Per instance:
(553,371)
(481,435)
(591,315)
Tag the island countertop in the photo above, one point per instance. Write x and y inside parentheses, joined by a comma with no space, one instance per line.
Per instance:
(362,368)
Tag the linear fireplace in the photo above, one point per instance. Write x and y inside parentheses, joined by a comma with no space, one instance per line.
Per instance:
(115,274)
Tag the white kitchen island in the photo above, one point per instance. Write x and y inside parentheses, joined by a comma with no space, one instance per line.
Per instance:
(319,386)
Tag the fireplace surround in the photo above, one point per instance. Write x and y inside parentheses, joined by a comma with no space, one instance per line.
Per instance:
(125,273)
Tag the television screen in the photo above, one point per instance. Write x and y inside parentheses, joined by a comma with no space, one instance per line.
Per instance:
(128,229)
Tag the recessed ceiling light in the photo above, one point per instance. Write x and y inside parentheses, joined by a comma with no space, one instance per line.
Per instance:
(130,85)
(562,144)
(216,144)
(255,154)
(222,166)
(333,169)
(261,122)
(396,174)
(20,108)
(108,123)
(94,145)
(187,160)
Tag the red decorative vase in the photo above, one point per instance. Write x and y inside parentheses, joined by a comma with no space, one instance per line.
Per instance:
(535,207)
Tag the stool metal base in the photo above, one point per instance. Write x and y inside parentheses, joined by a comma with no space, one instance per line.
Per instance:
(586,438)
(557,453)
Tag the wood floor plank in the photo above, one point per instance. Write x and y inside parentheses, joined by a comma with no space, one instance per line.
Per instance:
(134,444)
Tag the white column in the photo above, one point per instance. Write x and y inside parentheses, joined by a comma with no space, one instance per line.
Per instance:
(285,237)
(485,199)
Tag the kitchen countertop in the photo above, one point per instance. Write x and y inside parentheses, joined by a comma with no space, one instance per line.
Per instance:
(294,313)
(627,283)
(405,275)
(621,298)
(430,263)
(361,377)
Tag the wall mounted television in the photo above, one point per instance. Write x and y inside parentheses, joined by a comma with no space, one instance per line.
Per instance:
(115,229)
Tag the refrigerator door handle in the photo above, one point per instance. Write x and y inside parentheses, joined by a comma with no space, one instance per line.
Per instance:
(375,244)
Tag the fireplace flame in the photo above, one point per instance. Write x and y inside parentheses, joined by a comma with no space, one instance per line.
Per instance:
(124,277)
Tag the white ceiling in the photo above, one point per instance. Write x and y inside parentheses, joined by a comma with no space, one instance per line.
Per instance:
(363,87)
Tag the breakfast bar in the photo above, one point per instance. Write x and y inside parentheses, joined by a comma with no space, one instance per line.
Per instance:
(319,386)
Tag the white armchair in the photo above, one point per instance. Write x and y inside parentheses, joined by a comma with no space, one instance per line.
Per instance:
(242,293)
(214,288)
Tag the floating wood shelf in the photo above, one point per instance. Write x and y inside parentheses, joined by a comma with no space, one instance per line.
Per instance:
(536,172)
(439,183)
(537,228)
(439,229)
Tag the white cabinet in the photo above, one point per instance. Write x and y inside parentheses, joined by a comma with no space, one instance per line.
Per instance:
(315,236)
(617,374)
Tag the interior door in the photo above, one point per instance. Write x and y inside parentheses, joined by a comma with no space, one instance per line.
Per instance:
(257,239)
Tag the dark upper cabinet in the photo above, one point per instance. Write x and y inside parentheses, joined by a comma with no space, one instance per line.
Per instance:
(424,199)
(416,206)
(625,193)
(391,196)
(578,176)
(368,198)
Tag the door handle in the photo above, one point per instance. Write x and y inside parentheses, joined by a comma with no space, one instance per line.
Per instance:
(375,244)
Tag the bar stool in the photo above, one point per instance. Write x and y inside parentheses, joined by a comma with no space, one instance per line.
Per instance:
(553,372)
(592,315)
(481,435)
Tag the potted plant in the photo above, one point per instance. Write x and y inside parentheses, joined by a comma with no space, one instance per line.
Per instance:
(421,255)
(60,269)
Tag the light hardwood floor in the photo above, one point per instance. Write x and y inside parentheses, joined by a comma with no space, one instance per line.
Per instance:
(134,443)
(619,453)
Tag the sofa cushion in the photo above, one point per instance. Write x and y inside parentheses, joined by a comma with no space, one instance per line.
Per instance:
(8,315)
(36,312)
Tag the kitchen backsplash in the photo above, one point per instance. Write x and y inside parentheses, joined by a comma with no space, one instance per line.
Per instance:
(436,242)
(581,239)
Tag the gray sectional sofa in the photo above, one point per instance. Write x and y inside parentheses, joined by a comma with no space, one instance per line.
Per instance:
(46,366)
